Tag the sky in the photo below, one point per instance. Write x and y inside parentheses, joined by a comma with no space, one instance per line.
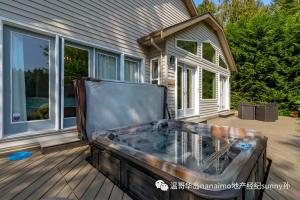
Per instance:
(199,1)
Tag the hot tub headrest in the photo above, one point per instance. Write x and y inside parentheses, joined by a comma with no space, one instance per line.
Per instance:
(103,105)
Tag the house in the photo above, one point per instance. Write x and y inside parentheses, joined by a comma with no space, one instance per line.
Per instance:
(46,44)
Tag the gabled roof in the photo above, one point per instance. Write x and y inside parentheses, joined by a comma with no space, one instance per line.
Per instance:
(191,7)
(208,19)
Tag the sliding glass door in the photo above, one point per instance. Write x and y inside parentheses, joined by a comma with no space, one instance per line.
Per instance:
(75,65)
(29,81)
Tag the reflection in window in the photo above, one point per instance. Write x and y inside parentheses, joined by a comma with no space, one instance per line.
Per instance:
(107,66)
(190,46)
(30,78)
(189,95)
(208,85)
(208,52)
(132,70)
(222,63)
(76,63)
(154,71)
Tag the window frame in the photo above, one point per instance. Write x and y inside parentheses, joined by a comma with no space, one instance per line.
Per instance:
(109,54)
(136,60)
(158,70)
(209,42)
(65,121)
(215,88)
(220,57)
(187,40)
(31,34)
(58,38)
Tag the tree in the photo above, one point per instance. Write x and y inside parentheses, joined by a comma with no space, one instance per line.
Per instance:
(265,42)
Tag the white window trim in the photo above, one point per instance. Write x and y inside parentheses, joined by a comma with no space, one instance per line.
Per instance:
(140,63)
(196,93)
(57,36)
(221,57)
(227,88)
(159,77)
(215,48)
(117,60)
(188,40)
(216,84)
(91,70)
(10,74)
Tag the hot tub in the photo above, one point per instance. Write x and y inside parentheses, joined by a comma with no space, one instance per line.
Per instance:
(195,161)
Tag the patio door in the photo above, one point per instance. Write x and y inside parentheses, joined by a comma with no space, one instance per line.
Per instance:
(75,64)
(185,90)
(223,92)
(29,81)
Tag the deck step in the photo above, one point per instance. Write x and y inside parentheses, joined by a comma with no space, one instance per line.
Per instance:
(226,114)
(195,119)
(60,144)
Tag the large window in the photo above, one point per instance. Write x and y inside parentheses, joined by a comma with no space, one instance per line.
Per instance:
(208,52)
(30,77)
(76,65)
(155,71)
(107,66)
(222,63)
(132,70)
(187,45)
(208,84)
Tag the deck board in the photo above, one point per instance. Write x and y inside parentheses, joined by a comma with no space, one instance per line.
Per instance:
(85,183)
(43,180)
(283,148)
(64,174)
(94,188)
(32,176)
(105,190)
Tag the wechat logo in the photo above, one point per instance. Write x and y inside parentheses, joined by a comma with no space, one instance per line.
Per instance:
(161,185)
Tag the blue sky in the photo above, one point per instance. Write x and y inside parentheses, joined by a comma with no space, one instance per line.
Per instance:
(198,1)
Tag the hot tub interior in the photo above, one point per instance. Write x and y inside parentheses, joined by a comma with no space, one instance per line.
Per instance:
(182,145)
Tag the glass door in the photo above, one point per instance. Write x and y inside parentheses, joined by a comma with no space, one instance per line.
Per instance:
(222,93)
(29,82)
(185,90)
(75,65)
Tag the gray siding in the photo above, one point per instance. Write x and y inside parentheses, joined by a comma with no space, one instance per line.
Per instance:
(115,24)
(199,33)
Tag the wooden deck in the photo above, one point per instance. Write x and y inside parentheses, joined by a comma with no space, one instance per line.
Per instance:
(283,148)
(63,174)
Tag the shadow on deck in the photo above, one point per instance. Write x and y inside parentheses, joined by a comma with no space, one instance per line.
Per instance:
(63,174)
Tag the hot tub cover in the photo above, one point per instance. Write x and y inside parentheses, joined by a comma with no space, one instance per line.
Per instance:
(104,105)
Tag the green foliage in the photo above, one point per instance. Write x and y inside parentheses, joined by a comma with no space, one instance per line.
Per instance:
(209,52)
(265,42)
(190,46)
(75,63)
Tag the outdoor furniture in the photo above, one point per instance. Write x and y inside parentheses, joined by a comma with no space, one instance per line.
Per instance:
(246,111)
(266,112)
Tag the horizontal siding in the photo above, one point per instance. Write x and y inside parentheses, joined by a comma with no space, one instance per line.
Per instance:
(199,33)
(115,24)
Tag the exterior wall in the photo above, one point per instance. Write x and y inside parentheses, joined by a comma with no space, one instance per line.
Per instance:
(113,24)
(199,33)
